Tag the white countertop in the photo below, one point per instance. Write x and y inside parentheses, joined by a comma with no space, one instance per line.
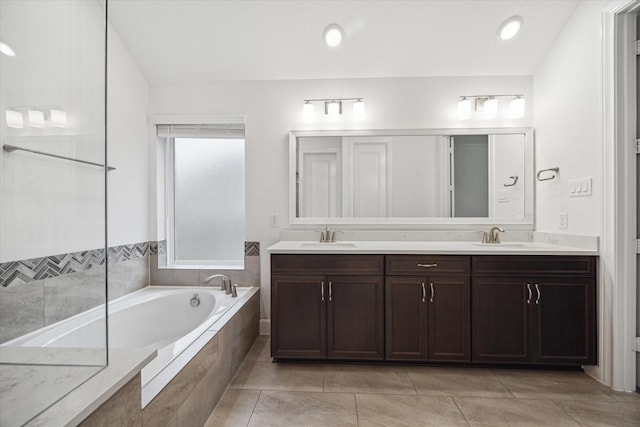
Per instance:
(426,248)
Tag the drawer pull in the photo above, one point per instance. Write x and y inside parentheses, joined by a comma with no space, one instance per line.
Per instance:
(433,293)
(529,293)
(424,293)
(330,291)
(538,291)
(322,290)
(427,265)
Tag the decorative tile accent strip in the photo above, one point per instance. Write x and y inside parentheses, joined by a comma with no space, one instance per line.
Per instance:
(251,248)
(29,270)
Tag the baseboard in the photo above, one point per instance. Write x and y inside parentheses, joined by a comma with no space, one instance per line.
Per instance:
(265,326)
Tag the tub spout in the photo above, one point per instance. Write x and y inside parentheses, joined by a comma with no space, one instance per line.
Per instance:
(226,282)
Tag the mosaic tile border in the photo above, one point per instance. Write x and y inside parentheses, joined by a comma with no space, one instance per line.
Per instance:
(29,270)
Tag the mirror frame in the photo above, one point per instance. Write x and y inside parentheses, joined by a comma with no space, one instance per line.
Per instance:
(525,223)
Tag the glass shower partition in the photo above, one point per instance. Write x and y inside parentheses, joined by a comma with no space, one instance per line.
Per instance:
(53,257)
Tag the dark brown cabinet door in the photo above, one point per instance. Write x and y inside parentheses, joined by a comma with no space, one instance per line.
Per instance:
(448,308)
(563,317)
(500,320)
(298,317)
(406,318)
(355,318)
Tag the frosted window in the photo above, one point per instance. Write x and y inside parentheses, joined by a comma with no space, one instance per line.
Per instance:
(209,211)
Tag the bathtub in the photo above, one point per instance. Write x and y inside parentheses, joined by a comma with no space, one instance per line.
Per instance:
(158,317)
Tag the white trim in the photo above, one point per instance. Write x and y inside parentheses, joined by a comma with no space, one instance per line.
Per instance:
(196,119)
(525,223)
(617,291)
(265,326)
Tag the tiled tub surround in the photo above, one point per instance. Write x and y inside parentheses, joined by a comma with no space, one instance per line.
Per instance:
(39,292)
(186,391)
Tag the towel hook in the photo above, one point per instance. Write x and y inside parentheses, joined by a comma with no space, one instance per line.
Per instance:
(556,170)
(515,180)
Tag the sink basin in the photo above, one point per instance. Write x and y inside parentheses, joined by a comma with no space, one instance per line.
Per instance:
(501,245)
(328,245)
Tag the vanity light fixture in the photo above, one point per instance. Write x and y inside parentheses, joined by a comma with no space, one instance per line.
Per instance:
(14,119)
(487,106)
(332,108)
(510,28)
(333,35)
(35,118)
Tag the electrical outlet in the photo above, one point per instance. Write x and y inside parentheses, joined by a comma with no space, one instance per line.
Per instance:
(273,220)
(564,219)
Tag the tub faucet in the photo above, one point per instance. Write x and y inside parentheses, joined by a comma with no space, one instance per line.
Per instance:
(226,282)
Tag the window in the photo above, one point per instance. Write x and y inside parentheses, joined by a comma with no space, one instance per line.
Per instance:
(205,196)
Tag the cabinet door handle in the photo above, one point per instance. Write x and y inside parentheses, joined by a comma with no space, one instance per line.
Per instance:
(529,293)
(330,291)
(538,291)
(424,293)
(433,293)
(322,290)
(427,265)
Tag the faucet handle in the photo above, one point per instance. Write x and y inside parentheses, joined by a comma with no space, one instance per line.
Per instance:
(485,236)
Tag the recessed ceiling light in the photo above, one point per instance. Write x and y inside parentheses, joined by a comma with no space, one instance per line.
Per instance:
(333,35)
(510,27)
(6,49)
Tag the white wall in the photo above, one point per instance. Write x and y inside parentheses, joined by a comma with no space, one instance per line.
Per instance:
(273,108)
(568,123)
(52,206)
(128,147)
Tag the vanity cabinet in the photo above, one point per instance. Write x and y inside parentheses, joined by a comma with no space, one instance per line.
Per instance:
(533,309)
(327,306)
(427,305)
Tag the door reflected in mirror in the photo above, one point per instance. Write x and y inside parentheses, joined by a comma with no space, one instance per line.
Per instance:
(418,176)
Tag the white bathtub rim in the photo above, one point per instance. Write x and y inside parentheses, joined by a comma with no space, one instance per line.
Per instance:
(159,381)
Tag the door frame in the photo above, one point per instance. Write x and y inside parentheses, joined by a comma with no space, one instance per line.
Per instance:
(617,290)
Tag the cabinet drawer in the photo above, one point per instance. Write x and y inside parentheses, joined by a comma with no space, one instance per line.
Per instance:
(363,265)
(537,266)
(427,264)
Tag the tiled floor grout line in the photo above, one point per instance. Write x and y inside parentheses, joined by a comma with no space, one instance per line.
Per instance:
(497,377)
(565,412)
(460,410)
(254,408)
(355,401)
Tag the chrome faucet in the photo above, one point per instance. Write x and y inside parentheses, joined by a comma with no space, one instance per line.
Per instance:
(494,236)
(226,282)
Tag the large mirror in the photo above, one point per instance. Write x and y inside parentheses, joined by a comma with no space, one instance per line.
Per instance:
(429,176)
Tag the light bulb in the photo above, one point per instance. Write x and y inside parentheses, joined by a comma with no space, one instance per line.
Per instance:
(333,35)
(516,108)
(36,118)
(490,108)
(464,108)
(6,49)
(14,119)
(358,110)
(333,110)
(58,118)
(307,112)
(510,28)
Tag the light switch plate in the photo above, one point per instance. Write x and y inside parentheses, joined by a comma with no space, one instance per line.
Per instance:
(580,187)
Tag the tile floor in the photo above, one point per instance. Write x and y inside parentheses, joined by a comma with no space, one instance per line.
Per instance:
(305,395)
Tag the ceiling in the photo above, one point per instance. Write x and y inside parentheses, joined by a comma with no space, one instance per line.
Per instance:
(199,41)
